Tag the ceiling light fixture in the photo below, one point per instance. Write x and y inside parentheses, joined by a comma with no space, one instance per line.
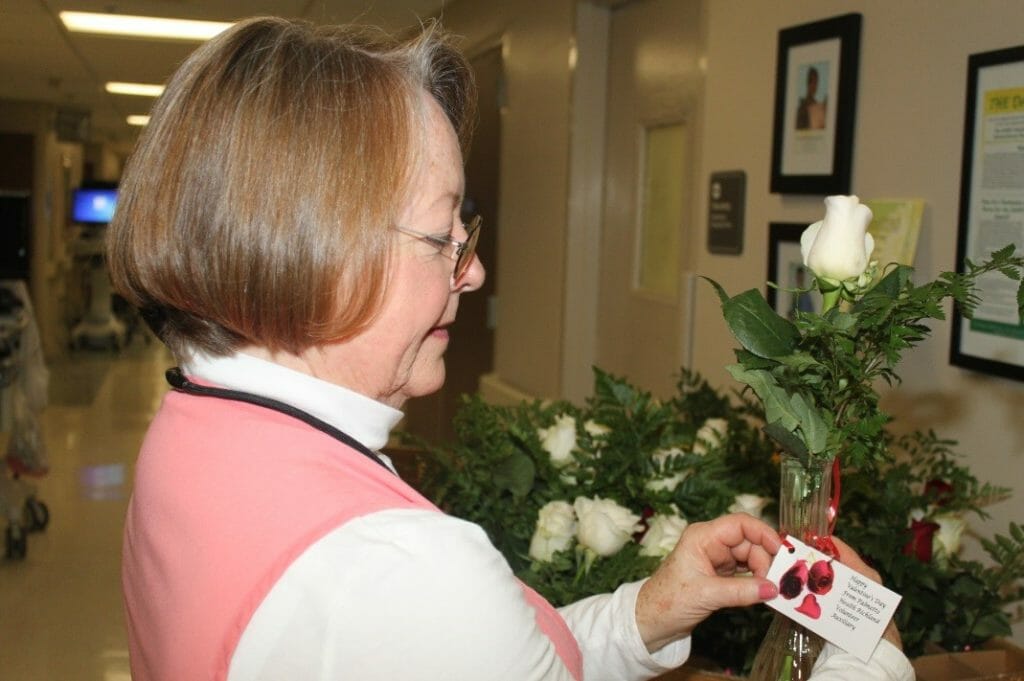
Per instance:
(137,119)
(140,89)
(143,27)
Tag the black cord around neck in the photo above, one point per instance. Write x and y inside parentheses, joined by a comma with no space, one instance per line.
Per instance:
(178,381)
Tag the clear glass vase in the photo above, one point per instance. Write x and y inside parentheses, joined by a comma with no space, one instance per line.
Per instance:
(788,650)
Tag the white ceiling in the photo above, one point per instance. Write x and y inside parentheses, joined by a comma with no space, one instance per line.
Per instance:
(40,61)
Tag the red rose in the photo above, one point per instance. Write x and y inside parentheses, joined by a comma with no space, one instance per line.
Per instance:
(938,492)
(920,544)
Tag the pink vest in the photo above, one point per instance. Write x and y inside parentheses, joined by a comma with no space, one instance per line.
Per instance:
(226,496)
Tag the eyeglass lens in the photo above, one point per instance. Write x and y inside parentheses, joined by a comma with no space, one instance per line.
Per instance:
(465,258)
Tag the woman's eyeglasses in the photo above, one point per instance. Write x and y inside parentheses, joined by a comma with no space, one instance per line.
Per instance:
(461,252)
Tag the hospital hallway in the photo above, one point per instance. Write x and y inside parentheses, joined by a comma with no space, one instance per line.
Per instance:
(61,617)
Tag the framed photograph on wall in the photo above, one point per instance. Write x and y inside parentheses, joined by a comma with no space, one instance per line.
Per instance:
(786,270)
(815,104)
(992,210)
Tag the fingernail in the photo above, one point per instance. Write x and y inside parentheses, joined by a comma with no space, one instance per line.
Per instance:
(767,591)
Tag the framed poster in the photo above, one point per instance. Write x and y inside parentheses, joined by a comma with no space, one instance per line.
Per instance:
(992,210)
(786,270)
(815,104)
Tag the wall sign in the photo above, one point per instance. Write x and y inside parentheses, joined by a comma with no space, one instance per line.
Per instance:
(727,197)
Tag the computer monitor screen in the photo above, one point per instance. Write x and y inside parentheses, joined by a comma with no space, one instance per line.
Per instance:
(93,206)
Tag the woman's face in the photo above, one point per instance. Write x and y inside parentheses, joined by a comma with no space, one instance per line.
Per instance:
(401,354)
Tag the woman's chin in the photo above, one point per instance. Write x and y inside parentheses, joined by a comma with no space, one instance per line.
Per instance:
(426,383)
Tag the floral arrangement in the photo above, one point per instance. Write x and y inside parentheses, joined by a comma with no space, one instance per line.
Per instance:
(816,377)
(922,495)
(580,499)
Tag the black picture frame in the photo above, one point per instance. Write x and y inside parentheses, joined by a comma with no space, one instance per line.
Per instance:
(993,341)
(812,141)
(786,270)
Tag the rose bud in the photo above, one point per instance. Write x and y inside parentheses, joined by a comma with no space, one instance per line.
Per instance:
(939,492)
(920,544)
(839,247)
(810,607)
(819,580)
(793,581)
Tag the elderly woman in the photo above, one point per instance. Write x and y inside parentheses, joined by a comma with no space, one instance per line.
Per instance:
(290,227)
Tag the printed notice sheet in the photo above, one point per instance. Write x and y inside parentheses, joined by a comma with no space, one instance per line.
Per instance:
(996,210)
(895,227)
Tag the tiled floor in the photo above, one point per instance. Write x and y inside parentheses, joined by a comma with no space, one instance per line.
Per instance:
(60,607)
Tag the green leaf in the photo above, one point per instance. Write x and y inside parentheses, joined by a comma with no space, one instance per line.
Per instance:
(788,441)
(1020,301)
(775,400)
(722,295)
(892,283)
(966,586)
(515,473)
(1004,253)
(843,321)
(752,361)
(758,327)
(812,426)
(797,360)
(991,625)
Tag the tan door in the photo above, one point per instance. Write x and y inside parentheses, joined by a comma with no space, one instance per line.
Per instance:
(654,81)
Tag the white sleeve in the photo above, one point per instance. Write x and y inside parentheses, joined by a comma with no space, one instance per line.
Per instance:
(887,663)
(605,627)
(398,594)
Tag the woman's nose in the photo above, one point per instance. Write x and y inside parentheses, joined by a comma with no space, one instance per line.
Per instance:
(472,278)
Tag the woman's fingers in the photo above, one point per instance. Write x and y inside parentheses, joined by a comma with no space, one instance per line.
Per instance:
(736,540)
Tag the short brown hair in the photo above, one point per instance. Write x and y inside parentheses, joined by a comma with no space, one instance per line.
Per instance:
(256,206)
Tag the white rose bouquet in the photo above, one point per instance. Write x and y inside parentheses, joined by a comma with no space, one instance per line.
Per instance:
(580,499)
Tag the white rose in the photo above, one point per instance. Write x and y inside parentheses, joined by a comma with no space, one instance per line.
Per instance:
(556,527)
(604,526)
(946,541)
(669,482)
(596,429)
(749,503)
(559,440)
(839,247)
(663,532)
(710,435)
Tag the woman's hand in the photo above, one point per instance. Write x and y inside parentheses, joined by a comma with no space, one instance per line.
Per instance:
(697,579)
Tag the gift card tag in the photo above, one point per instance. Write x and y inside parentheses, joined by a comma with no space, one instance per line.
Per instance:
(842,606)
